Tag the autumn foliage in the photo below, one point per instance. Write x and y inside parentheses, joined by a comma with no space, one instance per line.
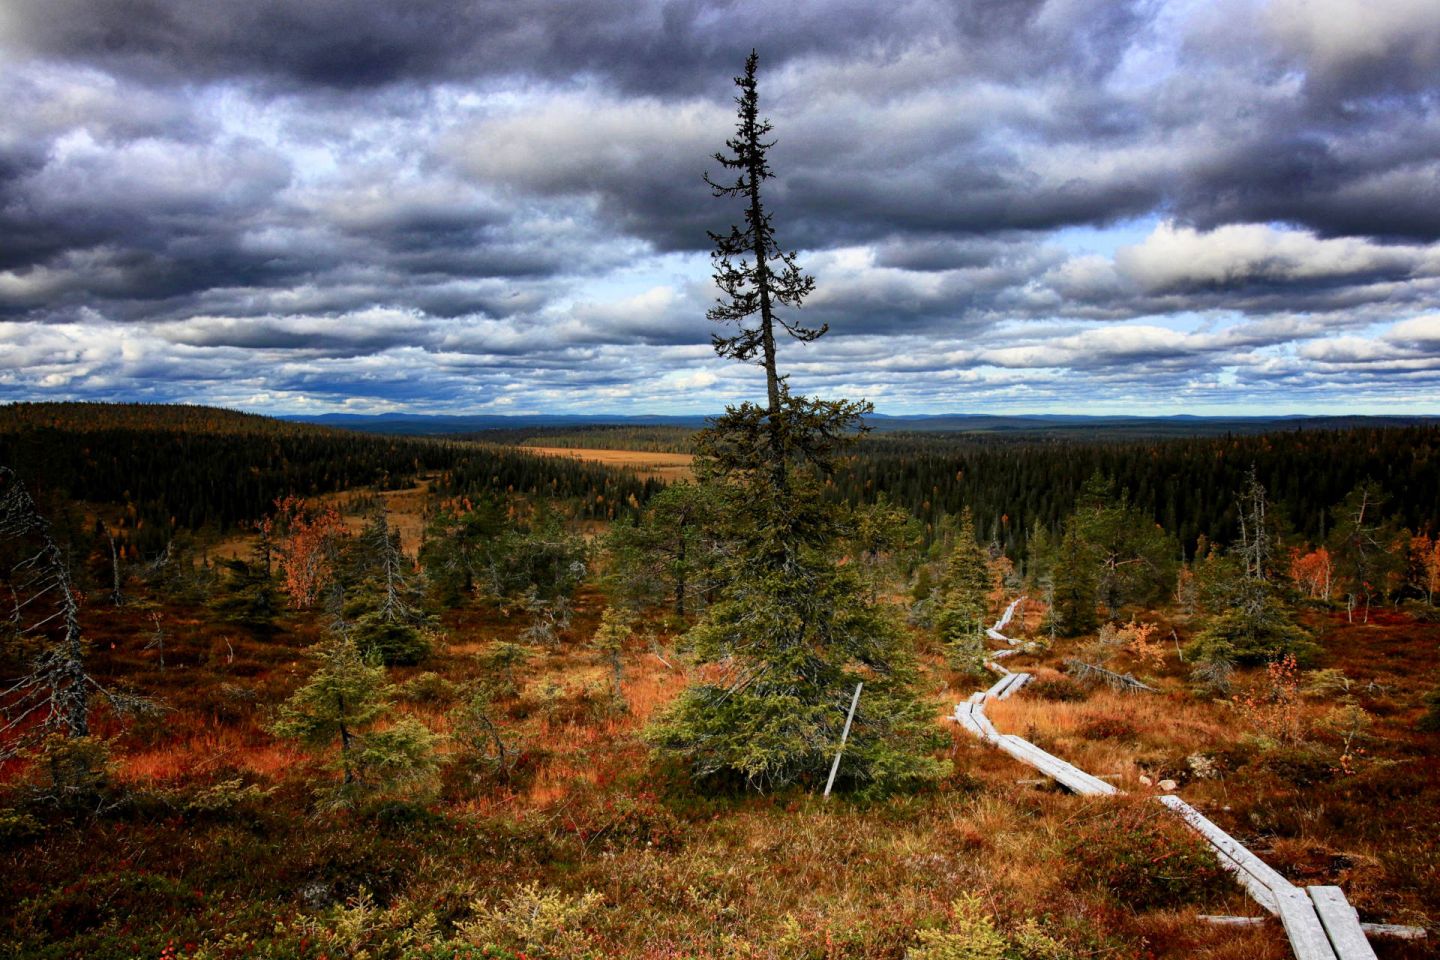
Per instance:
(307,547)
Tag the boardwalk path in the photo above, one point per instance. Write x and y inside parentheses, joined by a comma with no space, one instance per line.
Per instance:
(1319,921)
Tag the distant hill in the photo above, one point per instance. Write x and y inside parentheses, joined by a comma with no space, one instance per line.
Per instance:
(90,417)
(415,424)
(1181,425)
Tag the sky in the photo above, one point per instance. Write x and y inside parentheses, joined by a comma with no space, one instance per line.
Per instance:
(1073,206)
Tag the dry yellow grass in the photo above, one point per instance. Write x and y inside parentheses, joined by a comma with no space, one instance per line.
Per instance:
(406,509)
(661,466)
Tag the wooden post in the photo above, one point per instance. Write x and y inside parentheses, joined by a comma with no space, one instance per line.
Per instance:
(845,735)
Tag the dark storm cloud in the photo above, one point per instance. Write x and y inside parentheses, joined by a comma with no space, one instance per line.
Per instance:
(469,201)
(645,46)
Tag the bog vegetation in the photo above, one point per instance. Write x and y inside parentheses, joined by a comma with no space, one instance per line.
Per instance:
(573,713)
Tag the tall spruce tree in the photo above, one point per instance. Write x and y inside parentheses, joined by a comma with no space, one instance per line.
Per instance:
(1074,586)
(1248,619)
(755,275)
(792,627)
(964,601)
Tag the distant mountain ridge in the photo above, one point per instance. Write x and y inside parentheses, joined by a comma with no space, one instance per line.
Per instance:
(84,416)
(1178,425)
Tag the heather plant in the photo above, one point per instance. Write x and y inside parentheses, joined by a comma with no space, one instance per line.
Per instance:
(1137,853)
(1430,719)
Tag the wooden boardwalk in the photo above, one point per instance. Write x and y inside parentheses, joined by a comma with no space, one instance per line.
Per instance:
(1319,921)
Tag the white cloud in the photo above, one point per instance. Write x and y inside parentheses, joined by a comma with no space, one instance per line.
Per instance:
(1178,257)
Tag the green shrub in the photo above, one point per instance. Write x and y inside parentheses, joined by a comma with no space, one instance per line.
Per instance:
(17,827)
(972,934)
(1304,766)
(394,642)
(540,923)
(428,687)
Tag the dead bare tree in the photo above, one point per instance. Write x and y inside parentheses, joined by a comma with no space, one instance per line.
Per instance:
(54,696)
(117,596)
(157,639)
(383,544)
(1092,673)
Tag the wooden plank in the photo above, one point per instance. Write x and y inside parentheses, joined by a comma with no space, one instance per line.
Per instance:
(965,716)
(997,686)
(1341,923)
(987,729)
(1020,680)
(1071,776)
(1258,878)
(1397,930)
(1303,926)
(977,697)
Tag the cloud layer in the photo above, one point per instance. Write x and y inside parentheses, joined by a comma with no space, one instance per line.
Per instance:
(325,204)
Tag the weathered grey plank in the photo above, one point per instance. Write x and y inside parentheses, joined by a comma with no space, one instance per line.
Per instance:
(1071,776)
(1398,930)
(1341,923)
(998,685)
(966,718)
(1259,879)
(1303,926)
(987,729)
(1371,930)
(1019,680)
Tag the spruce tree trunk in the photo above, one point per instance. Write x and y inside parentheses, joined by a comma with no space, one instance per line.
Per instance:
(680,577)
(767,315)
(344,744)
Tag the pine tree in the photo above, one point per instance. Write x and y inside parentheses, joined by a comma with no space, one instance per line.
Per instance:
(346,702)
(609,641)
(1134,558)
(791,627)
(884,537)
(756,276)
(1364,542)
(669,553)
(1248,619)
(1074,586)
(52,699)
(382,609)
(245,594)
(964,601)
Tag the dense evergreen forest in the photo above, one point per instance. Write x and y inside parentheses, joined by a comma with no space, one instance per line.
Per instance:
(192,468)
(1014,479)
(1188,485)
